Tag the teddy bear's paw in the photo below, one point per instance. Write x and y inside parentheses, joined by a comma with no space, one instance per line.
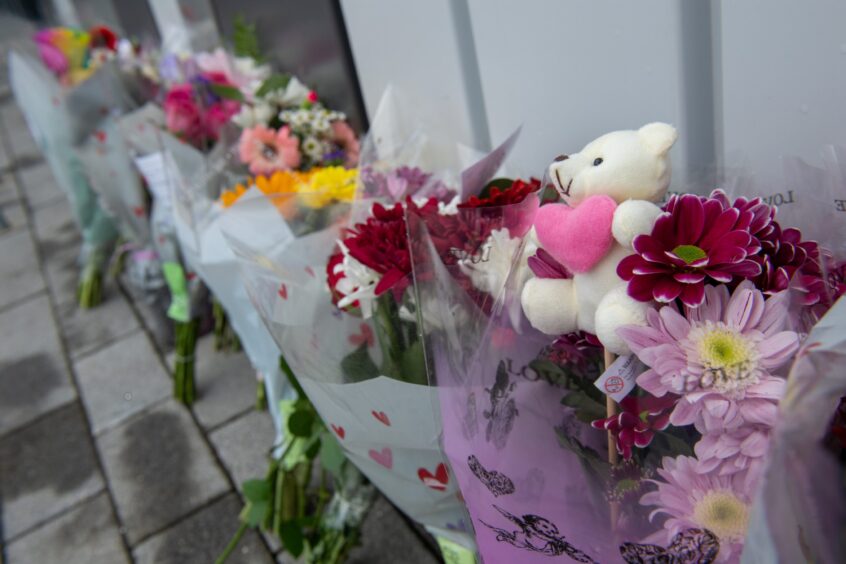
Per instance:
(633,218)
(550,305)
(616,310)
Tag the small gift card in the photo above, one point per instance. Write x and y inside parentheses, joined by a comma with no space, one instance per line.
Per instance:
(619,378)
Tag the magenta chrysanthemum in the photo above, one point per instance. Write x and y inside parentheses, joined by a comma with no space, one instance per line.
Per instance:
(691,497)
(717,356)
(693,240)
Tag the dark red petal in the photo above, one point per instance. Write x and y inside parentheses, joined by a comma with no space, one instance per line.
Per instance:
(666,290)
(693,295)
(640,287)
(690,219)
(689,277)
(719,275)
(625,269)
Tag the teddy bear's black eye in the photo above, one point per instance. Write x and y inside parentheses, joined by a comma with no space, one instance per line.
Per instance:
(597,161)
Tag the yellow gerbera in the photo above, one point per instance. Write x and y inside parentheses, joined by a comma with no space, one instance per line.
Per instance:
(281,182)
(328,185)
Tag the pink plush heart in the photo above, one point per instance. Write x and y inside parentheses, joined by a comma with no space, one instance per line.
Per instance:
(577,237)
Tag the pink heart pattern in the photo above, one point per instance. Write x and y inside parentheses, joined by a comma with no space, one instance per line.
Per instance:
(385,457)
(577,237)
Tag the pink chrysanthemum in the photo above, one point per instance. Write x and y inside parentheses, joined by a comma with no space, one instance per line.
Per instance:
(693,240)
(267,150)
(693,498)
(717,356)
(346,139)
(733,451)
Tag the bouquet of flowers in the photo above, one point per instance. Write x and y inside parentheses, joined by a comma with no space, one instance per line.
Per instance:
(335,291)
(560,450)
(64,115)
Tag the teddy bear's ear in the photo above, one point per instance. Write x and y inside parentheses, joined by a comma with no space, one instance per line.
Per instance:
(659,137)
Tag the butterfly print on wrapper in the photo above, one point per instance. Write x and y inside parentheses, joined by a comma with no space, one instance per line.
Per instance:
(692,546)
(537,534)
(503,409)
(498,483)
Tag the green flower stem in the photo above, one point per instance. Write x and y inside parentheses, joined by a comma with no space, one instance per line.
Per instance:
(184,387)
(233,543)
(90,290)
(225,337)
(261,396)
(389,335)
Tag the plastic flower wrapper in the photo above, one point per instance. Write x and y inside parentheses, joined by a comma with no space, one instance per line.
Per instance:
(362,366)
(672,463)
(61,120)
(800,511)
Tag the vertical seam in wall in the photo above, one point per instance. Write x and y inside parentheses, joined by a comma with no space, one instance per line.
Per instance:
(469,63)
(717,81)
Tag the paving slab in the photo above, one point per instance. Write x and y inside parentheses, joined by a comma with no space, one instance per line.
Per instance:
(159,468)
(13,218)
(226,383)
(386,539)
(202,537)
(46,468)
(8,187)
(39,186)
(19,268)
(33,374)
(120,380)
(20,138)
(244,445)
(86,330)
(87,534)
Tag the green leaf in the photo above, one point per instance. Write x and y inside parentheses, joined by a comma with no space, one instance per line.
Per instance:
(331,455)
(256,490)
(245,41)
(587,409)
(273,83)
(358,366)
(253,513)
(292,539)
(226,91)
(300,423)
(413,364)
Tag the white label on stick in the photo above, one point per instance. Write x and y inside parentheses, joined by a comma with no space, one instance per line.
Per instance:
(619,378)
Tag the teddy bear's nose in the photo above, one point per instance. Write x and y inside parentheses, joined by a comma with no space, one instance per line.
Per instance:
(560,158)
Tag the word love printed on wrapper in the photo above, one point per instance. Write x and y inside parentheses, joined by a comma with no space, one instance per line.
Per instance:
(620,378)
(779,199)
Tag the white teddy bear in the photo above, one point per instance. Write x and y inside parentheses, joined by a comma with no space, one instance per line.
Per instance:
(609,190)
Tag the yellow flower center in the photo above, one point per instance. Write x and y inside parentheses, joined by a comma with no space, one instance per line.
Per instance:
(689,253)
(723,514)
(728,359)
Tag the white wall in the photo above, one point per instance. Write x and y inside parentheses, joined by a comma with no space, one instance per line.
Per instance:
(417,47)
(750,78)
(783,69)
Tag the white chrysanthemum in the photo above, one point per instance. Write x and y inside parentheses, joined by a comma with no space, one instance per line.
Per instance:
(250,116)
(358,283)
(294,94)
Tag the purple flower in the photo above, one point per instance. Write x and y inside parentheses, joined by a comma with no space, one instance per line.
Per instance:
(401,182)
(717,356)
(693,240)
(732,451)
(692,497)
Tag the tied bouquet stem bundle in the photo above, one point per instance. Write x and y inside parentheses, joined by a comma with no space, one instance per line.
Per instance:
(225,337)
(315,520)
(90,290)
(185,335)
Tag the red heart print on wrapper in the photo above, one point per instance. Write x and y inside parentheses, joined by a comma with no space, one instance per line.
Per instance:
(577,237)
(139,211)
(384,457)
(100,135)
(438,481)
(283,292)
(366,336)
(339,431)
(382,417)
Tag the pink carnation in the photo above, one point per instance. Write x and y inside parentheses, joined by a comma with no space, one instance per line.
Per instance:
(345,138)
(267,150)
